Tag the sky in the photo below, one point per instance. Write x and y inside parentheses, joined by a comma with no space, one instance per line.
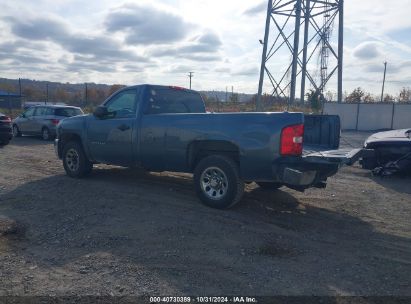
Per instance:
(159,42)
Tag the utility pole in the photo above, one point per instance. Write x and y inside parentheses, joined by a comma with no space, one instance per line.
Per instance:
(20,87)
(226,94)
(383,81)
(20,92)
(47,93)
(190,75)
(86,94)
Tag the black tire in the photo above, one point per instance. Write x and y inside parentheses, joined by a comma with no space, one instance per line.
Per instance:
(45,134)
(227,188)
(75,161)
(16,131)
(89,168)
(4,142)
(269,185)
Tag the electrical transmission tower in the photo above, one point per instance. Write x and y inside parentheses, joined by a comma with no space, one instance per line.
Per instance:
(290,53)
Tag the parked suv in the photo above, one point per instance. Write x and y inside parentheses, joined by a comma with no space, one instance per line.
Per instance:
(42,120)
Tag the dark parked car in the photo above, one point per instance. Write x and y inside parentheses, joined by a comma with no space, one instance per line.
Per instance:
(390,147)
(42,120)
(5,129)
(167,129)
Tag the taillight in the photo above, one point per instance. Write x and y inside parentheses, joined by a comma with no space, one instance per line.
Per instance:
(292,140)
(55,122)
(5,119)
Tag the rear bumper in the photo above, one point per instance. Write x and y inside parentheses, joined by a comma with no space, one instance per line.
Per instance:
(300,173)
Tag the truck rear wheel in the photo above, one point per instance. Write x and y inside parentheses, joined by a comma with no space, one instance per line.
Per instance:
(217,182)
(75,161)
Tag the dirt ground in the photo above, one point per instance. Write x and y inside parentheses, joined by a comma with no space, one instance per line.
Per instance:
(125,232)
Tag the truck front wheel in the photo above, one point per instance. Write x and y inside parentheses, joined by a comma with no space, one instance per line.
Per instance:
(217,182)
(75,161)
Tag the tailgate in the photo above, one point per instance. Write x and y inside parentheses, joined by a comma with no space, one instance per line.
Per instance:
(321,132)
(342,156)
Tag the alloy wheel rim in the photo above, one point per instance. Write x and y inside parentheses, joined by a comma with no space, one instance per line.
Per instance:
(72,160)
(214,183)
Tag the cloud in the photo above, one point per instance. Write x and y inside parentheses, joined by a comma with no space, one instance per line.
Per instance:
(147,25)
(201,48)
(367,50)
(258,9)
(21,53)
(97,46)
(206,43)
(179,69)
(38,28)
(392,68)
(222,70)
(247,71)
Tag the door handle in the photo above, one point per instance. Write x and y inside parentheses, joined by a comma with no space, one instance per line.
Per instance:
(123,127)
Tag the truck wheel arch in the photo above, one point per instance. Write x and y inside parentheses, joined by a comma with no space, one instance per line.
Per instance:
(198,150)
(66,138)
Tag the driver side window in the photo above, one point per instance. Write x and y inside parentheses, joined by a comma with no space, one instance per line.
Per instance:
(123,105)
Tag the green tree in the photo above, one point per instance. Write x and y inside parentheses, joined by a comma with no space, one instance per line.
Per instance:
(389,98)
(368,98)
(356,95)
(405,95)
(61,95)
(314,99)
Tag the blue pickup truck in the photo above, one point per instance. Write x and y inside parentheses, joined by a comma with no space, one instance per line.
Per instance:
(162,128)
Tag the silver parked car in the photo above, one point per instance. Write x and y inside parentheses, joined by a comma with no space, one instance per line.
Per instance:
(42,120)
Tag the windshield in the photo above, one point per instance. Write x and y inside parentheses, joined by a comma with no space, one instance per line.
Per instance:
(68,112)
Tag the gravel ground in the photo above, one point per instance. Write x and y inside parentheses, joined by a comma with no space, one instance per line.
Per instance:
(128,232)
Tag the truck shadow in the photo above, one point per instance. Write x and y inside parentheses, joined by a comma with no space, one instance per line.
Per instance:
(148,234)
(29,141)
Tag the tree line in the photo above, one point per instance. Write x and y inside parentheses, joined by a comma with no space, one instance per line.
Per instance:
(84,95)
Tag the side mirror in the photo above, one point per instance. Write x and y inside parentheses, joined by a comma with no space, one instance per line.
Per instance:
(23,115)
(100,112)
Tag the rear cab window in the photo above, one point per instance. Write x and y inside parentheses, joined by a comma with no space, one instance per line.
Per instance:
(169,100)
(67,112)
